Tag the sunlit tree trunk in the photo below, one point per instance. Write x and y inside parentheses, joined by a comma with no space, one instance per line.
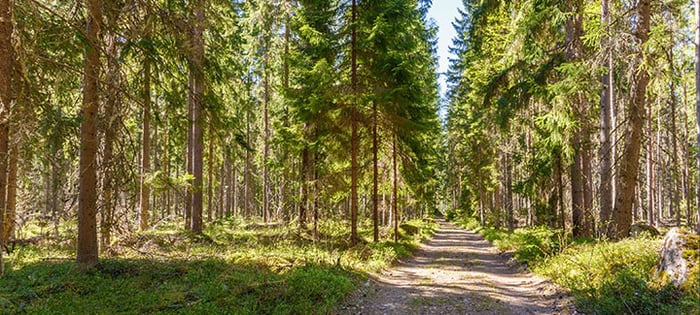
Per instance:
(675,163)
(395,189)
(650,169)
(11,204)
(87,200)
(110,126)
(6,26)
(266,139)
(629,164)
(606,143)
(197,116)
(697,100)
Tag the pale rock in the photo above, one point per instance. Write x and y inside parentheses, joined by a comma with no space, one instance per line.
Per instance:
(671,259)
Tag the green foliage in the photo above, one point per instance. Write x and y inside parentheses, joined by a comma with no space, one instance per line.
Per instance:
(235,267)
(603,277)
(529,245)
(614,278)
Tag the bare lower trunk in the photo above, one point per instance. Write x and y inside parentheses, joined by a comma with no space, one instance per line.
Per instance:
(11,204)
(629,165)
(354,147)
(395,195)
(197,117)
(606,142)
(144,195)
(697,100)
(87,200)
(375,175)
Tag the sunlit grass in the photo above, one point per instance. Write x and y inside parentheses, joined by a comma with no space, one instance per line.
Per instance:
(603,277)
(234,267)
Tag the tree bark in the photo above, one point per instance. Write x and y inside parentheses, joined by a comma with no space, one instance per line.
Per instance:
(697,101)
(210,173)
(6,96)
(109,132)
(266,140)
(197,116)
(11,204)
(629,165)
(650,169)
(354,150)
(606,143)
(581,165)
(144,207)
(6,71)
(375,174)
(395,189)
(675,171)
(87,199)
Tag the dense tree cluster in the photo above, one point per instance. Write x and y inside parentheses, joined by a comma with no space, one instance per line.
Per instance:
(573,114)
(127,114)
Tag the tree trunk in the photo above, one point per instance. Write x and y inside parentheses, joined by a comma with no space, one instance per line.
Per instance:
(109,131)
(354,150)
(166,162)
(675,171)
(650,169)
(197,115)
(266,141)
(210,173)
(395,189)
(375,173)
(304,187)
(11,204)
(579,180)
(144,195)
(606,143)
(629,165)
(87,200)
(697,101)
(248,169)
(509,192)
(6,72)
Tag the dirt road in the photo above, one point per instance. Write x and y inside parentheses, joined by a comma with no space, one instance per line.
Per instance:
(457,272)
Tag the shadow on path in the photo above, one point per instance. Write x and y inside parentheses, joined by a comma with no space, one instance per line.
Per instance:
(457,272)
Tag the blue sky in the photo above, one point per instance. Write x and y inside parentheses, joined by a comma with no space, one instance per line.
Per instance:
(444,12)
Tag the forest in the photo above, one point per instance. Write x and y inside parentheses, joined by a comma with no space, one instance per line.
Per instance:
(276,156)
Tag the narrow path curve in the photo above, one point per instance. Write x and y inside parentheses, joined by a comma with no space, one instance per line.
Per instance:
(457,272)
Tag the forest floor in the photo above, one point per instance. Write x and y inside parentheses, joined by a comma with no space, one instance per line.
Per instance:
(458,272)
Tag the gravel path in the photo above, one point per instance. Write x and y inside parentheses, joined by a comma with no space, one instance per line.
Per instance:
(457,272)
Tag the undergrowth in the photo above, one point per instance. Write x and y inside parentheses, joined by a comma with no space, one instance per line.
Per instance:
(603,277)
(233,268)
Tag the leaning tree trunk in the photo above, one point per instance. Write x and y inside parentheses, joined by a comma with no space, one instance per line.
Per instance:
(629,164)
(87,200)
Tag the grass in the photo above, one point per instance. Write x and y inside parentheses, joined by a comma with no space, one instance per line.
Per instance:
(234,268)
(603,277)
